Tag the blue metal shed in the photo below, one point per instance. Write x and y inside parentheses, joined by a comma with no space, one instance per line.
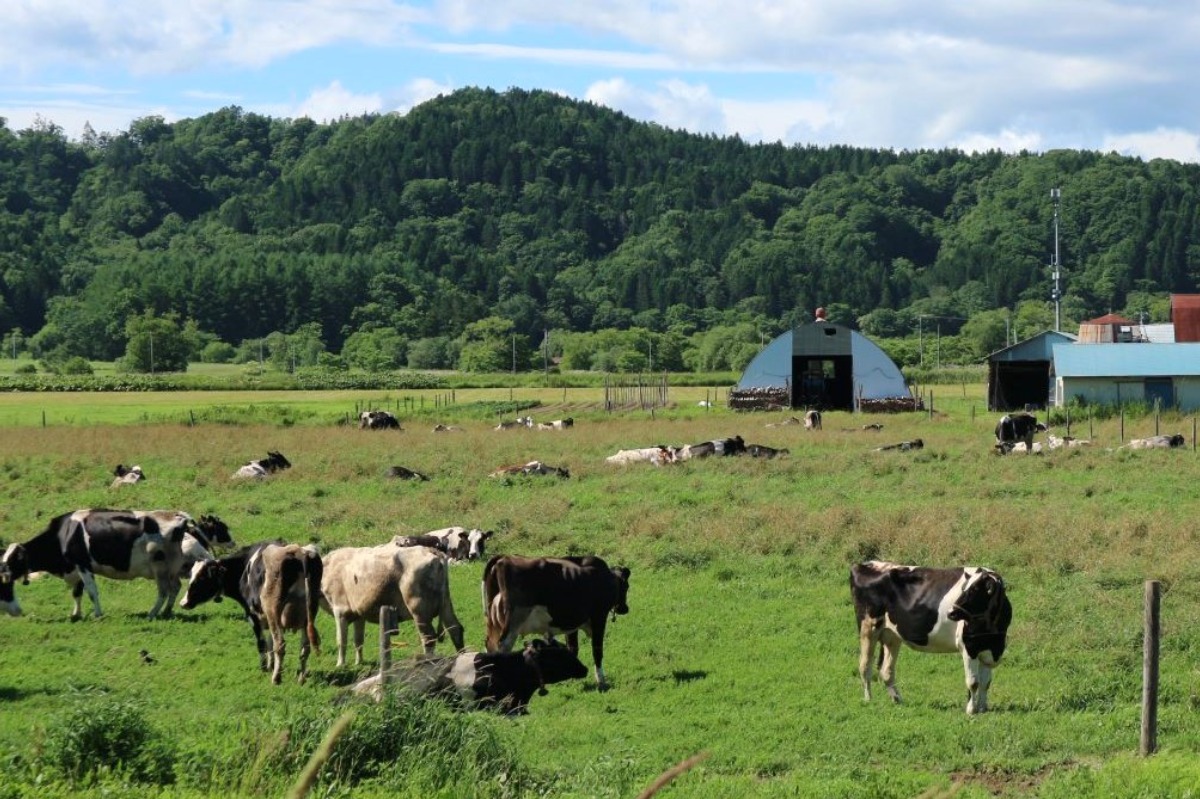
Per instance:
(1168,374)
(1019,375)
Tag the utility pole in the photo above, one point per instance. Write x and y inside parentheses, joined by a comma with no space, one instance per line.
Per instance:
(921,339)
(1056,293)
(546,351)
(514,357)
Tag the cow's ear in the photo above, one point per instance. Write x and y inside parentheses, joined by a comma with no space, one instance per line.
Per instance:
(488,534)
(624,572)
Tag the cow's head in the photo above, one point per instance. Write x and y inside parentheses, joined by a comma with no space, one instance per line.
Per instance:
(206,583)
(621,606)
(16,562)
(8,599)
(215,530)
(980,601)
(474,541)
(553,662)
(276,461)
(1177,440)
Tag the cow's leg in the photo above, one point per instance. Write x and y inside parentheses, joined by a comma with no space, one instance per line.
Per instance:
(279,645)
(866,654)
(887,669)
(165,595)
(76,586)
(340,623)
(305,646)
(508,634)
(360,631)
(596,633)
(88,582)
(427,631)
(264,656)
(453,626)
(979,677)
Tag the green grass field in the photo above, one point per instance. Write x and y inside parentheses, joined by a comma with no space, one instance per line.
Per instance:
(740,642)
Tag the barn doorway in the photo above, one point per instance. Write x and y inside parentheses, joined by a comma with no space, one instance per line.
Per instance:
(825,382)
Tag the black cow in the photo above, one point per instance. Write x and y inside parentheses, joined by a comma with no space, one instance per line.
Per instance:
(215,579)
(963,609)
(1015,428)
(120,544)
(404,473)
(274,462)
(761,451)
(552,596)
(508,680)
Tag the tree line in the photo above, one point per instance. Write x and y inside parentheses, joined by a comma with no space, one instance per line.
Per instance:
(484,230)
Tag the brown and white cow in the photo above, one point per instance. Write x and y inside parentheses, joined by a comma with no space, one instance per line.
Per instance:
(358,581)
(126,475)
(963,609)
(119,544)
(552,596)
(282,587)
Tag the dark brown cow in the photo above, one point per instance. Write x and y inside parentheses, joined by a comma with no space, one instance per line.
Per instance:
(552,596)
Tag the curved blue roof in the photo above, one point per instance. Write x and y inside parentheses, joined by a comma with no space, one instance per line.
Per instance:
(875,375)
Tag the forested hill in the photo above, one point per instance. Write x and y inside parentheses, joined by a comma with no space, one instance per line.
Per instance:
(554,214)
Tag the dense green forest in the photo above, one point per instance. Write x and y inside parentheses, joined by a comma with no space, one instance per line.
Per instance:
(460,233)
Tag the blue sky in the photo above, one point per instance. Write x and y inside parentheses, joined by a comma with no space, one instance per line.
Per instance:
(1109,75)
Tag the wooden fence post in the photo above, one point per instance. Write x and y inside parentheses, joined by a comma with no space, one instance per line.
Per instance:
(1150,648)
(387,626)
(1122,424)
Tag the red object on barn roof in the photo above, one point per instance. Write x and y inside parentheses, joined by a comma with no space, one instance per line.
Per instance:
(1185,314)
(1109,319)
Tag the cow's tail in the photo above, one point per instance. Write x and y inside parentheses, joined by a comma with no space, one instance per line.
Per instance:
(495,602)
(313,570)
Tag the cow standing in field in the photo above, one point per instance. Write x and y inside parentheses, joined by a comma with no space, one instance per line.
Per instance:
(378,420)
(552,596)
(460,543)
(282,586)
(1017,427)
(124,476)
(358,581)
(201,539)
(274,462)
(118,544)
(812,420)
(964,609)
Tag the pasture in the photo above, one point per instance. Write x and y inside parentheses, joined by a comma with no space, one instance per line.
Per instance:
(740,641)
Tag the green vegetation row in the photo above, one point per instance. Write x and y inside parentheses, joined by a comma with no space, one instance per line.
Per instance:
(482,230)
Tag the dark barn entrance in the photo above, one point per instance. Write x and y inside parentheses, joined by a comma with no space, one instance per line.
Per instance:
(825,383)
(1016,385)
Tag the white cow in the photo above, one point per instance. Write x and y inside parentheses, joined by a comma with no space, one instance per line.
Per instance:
(358,581)
(659,456)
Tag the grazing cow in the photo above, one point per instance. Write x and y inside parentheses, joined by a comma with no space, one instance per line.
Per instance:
(215,579)
(201,539)
(127,475)
(903,446)
(533,467)
(505,681)
(961,609)
(532,596)
(1016,427)
(520,421)
(119,544)
(557,424)
(378,420)
(786,422)
(259,469)
(403,473)
(659,456)
(282,586)
(8,597)
(812,420)
(1157,442)
(761,451)
(460,543)
(358,581)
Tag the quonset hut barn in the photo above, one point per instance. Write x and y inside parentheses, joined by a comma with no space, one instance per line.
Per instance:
(820,365)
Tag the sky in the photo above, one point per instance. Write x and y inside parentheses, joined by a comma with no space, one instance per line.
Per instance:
(1012,75)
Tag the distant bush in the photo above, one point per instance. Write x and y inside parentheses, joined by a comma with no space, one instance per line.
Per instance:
(76,365)
(26,369)
(107,737)
(217,352)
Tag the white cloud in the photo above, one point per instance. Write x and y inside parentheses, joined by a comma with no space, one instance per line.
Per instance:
(1180,145)
(672,103)
(334,101)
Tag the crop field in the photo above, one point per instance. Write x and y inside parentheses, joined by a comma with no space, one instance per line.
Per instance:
(740,642)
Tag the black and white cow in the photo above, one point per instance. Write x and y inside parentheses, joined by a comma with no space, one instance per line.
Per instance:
(404,473)
(718,446)
(903,446)
(274,462)
(1157,442)
(812,420)
(378,420)
(202,540)
(127,475)
(552,596)
(762,451)
(1017,428)
(557,424)
(460,543)
(963,609)
(119,544)
(512,424)
(531,468)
